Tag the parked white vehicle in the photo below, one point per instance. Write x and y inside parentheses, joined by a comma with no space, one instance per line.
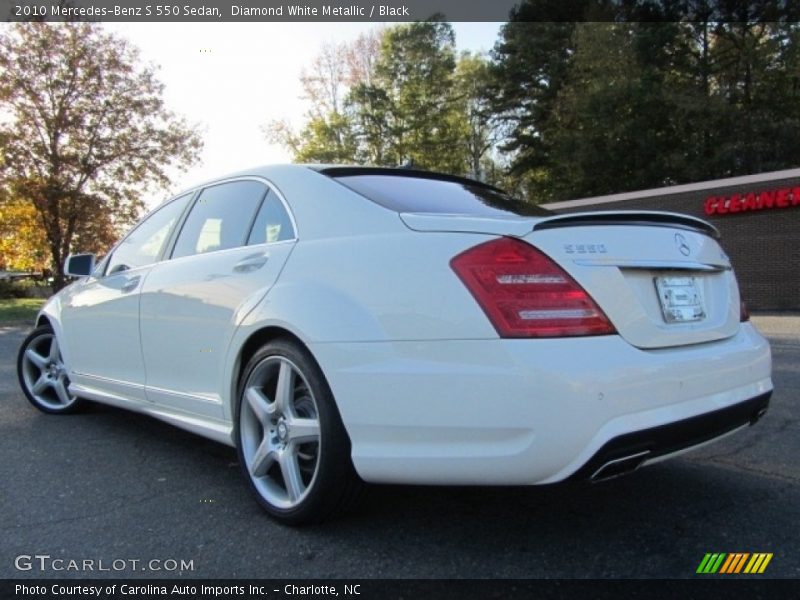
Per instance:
(349,324)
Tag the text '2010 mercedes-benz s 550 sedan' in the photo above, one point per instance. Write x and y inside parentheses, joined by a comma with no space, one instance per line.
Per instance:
(347,324)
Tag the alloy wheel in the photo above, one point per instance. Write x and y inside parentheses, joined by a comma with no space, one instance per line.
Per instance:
(280,432)
(44,374)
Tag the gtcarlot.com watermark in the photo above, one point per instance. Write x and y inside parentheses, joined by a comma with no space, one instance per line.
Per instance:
(45,563)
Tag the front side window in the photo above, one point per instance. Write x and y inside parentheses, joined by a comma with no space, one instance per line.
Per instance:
(272,223)
(220,219)
(146,242)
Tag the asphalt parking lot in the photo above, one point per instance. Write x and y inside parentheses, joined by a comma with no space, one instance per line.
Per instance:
(109,485)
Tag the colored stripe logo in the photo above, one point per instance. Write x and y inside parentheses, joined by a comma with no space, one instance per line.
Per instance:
(734,562)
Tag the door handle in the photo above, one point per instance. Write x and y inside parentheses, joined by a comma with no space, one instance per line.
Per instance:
(131,284)
(251,263)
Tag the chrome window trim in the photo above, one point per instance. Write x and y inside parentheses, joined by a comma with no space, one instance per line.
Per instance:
(197,191)
(193,194)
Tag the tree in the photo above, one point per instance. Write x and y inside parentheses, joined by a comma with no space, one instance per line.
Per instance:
(415,71)
(88,132)
(530,65)
(611,127)
(472,80)
(23,245)
(389,98)
(324,84)
(328,135)
(754,82)
(656,93)
(361,55)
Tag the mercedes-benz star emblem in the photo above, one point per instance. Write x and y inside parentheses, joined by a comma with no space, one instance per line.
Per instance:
(683,245)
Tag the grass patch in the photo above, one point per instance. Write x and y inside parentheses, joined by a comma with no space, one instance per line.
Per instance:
(19,310)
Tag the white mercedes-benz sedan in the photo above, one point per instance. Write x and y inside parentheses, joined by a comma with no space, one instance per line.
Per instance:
(347,324)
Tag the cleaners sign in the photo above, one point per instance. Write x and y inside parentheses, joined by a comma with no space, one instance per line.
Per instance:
(766,200)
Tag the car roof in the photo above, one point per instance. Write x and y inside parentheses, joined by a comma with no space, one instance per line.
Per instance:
(278,172)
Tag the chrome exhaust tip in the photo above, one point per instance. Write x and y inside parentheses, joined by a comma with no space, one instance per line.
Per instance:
(619,466)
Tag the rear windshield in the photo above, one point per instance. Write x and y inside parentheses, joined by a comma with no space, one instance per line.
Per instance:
(403,193)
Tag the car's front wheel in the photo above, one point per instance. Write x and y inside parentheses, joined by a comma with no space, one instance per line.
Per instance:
(43,375)
(292,445)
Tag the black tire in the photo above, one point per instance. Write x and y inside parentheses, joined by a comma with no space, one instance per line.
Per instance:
(331,487)
(53,398)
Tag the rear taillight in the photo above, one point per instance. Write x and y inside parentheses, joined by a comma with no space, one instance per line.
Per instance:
(525,294)
(744,314)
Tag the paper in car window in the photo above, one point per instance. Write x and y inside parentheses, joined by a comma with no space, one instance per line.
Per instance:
(273,233)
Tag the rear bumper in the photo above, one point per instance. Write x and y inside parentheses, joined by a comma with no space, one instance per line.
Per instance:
(517,412)
(631,450)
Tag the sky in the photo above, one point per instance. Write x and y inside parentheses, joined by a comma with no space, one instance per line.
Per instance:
(232,78)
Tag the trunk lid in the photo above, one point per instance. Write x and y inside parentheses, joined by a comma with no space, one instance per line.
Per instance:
(661,278)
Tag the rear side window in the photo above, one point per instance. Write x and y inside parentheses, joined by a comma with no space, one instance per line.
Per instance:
(220,219)
(272,223)
(404,193)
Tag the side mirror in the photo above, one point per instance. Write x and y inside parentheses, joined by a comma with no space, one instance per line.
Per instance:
(79,265)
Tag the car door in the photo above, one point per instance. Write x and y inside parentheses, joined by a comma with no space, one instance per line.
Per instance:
(229,252)
(100,314)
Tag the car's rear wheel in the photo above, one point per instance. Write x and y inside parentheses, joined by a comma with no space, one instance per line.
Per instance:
(43,375)
(293,447)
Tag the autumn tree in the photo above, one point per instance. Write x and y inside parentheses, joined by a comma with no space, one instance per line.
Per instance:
(23,244)
(87,135)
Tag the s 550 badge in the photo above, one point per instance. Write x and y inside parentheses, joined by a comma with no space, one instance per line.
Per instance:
(585,248)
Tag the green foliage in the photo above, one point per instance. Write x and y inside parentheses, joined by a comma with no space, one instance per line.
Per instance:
(87,132)
(415,71)
(402,98)
(636,95)
(530,67)
(370,107)
(327,139)
(475,131)
(27,287)
(19,310)
(597,108)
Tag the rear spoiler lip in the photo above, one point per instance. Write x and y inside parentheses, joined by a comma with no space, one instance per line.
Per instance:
(644,218)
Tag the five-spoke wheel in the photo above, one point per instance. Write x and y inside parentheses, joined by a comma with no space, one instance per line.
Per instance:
(42,374)
(280,431)
(292,445)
